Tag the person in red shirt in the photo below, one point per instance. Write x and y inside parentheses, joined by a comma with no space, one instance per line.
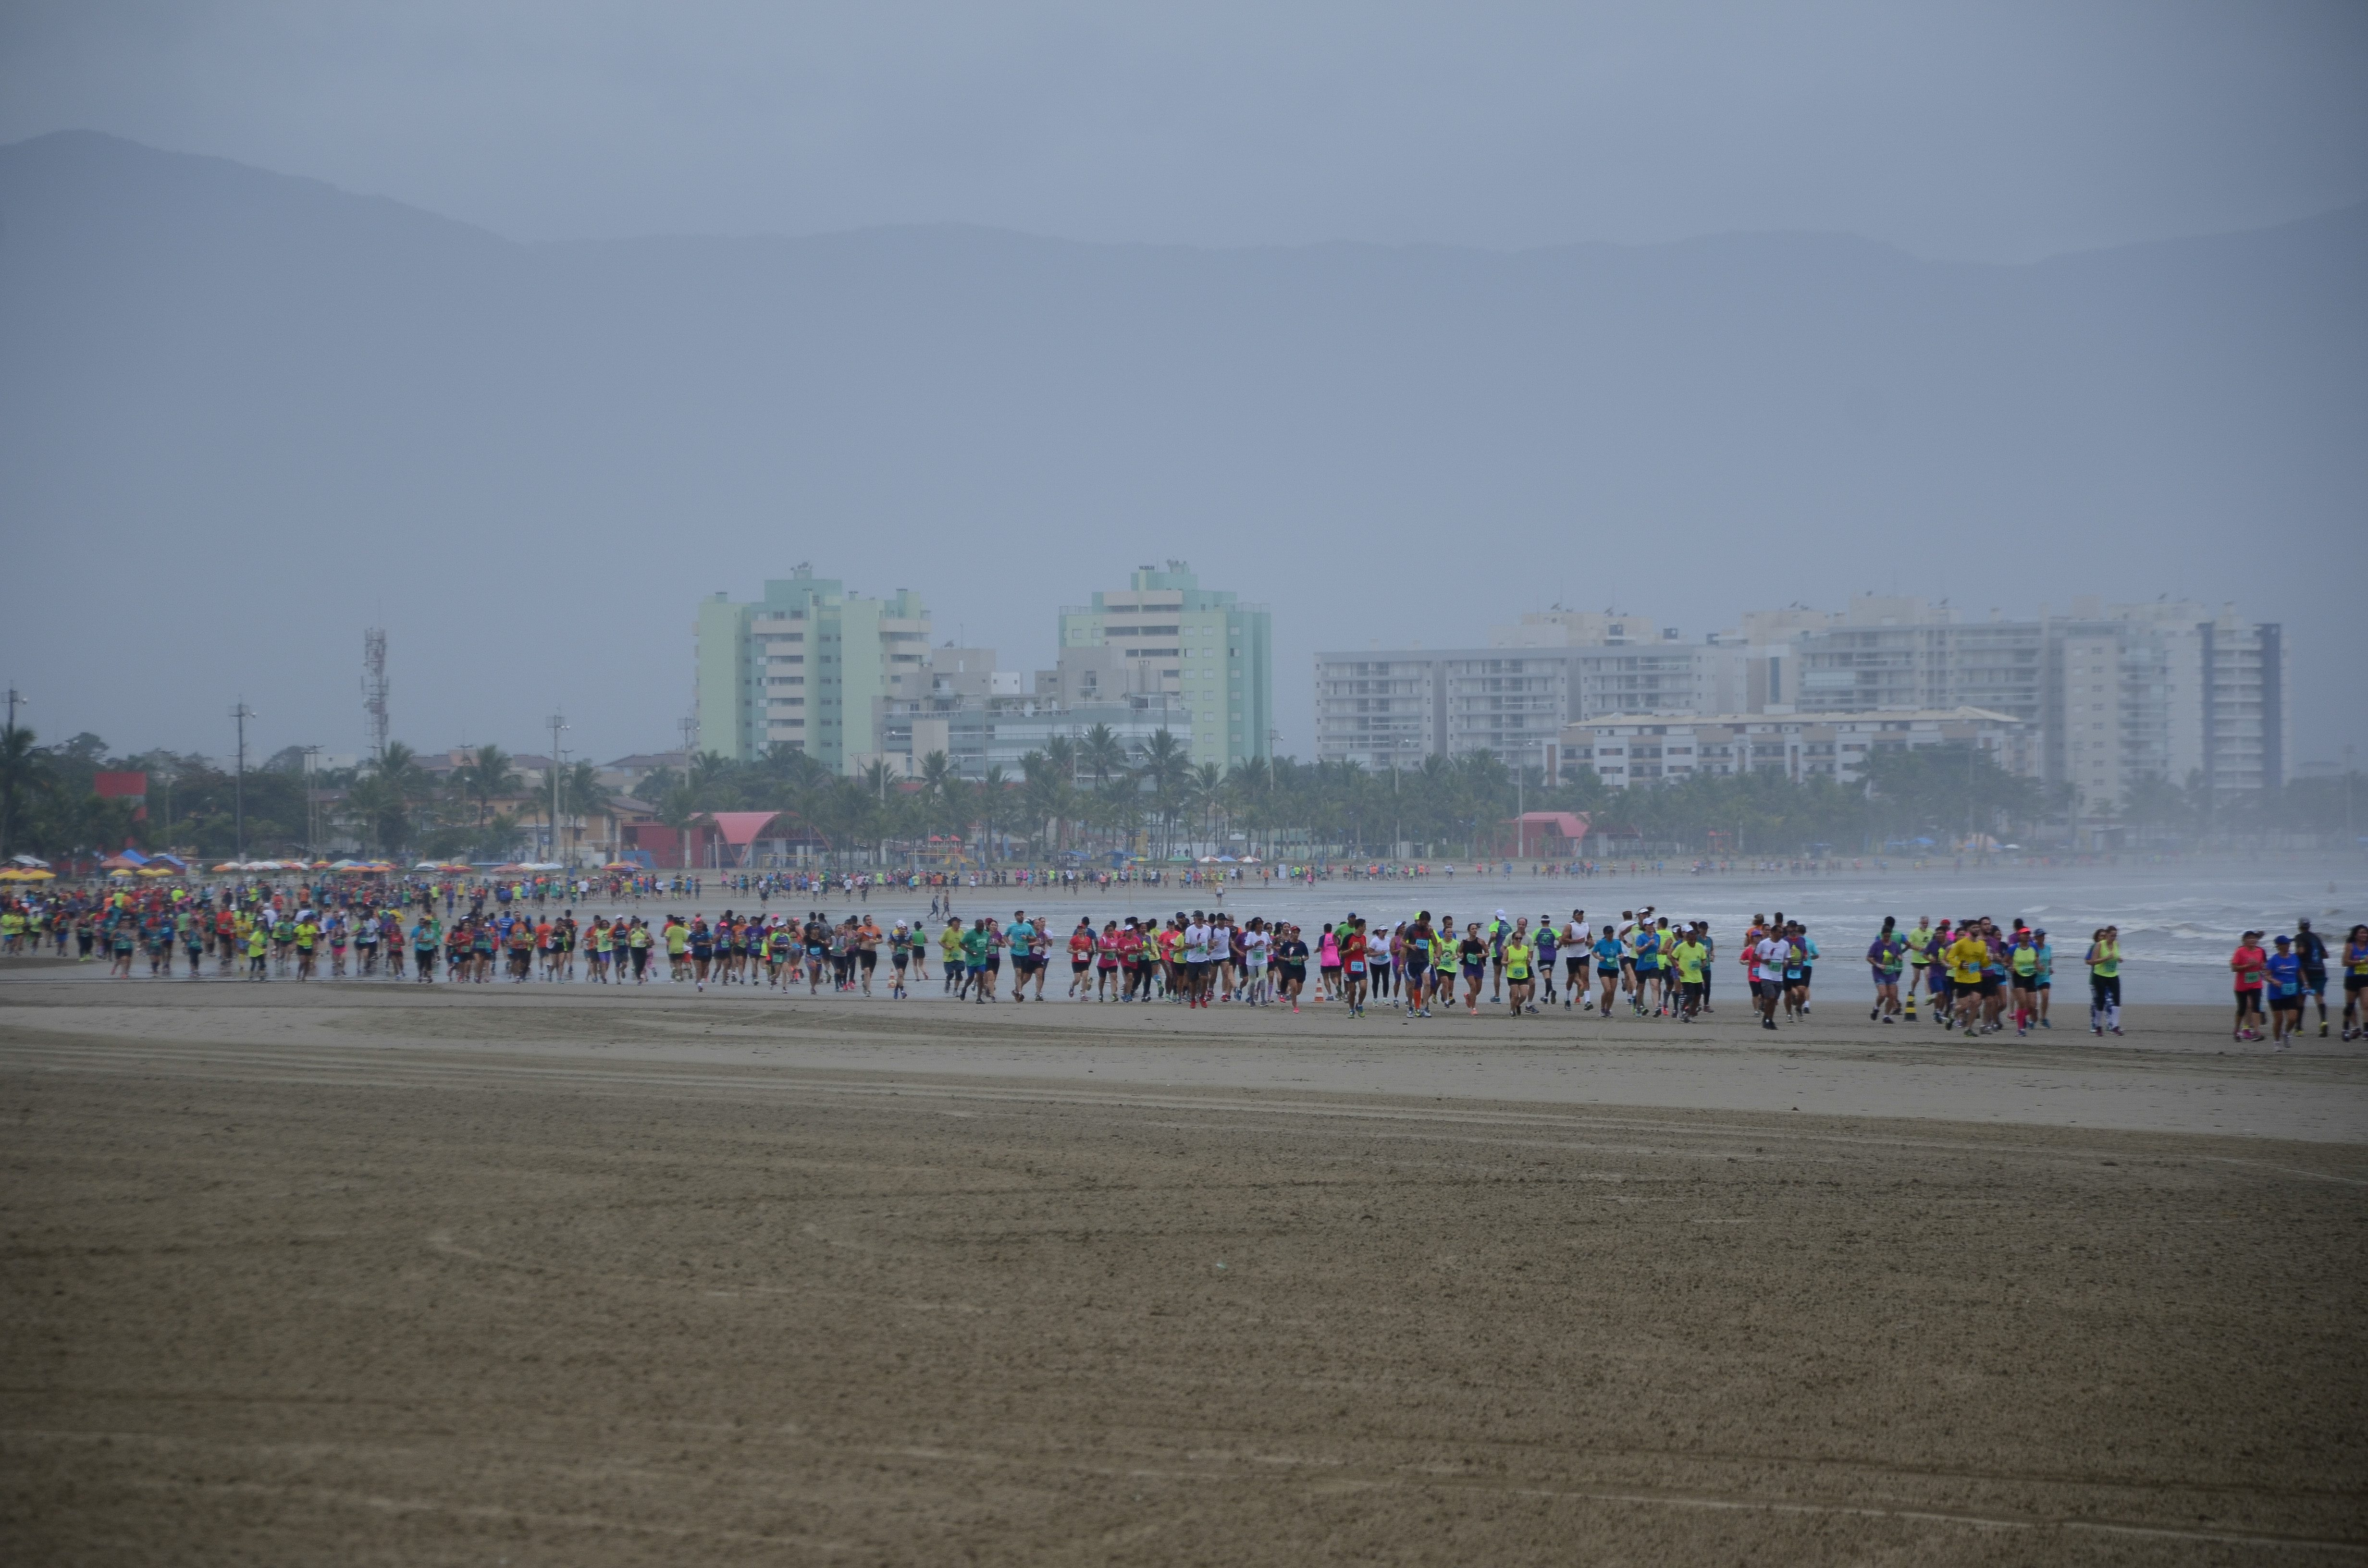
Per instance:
(1081,954)
(1106,951)
(2252,971)
(1352,967)
(1130,953)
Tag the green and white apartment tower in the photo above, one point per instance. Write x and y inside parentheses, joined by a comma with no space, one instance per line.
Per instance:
(1200,644)
(803,666)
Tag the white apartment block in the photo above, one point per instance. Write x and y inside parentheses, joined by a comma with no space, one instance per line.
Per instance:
(1169,636)
(2120,694)
(1651,749)
(1380,707)
(2107,697)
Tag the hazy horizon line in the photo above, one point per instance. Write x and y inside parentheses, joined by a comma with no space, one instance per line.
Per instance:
(968,226)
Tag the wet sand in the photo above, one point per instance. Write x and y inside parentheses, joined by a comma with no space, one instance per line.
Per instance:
(376,1274)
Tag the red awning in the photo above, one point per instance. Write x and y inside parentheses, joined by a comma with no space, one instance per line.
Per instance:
(1570,825)
(741,827)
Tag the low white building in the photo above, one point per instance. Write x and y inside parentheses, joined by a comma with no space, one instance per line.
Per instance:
(1654,748)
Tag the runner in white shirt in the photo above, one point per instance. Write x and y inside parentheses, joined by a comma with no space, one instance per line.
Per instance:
(1767,975)
(1254,947)
(1197,965)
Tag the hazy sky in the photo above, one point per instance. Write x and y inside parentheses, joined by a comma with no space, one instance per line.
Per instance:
(1993,132)
(1997,132)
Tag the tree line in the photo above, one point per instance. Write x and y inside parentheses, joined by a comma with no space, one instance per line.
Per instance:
(1092,794)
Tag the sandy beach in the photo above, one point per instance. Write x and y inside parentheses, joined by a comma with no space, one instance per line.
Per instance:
(401,1275)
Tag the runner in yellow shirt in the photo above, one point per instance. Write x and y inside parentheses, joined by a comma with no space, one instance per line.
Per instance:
(1693,960)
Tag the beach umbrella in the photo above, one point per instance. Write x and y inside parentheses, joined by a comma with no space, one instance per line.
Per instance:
(424,866)
(622,865)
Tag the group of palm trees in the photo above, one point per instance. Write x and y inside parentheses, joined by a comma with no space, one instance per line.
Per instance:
(1091,793)
(1094,793)
(483,806)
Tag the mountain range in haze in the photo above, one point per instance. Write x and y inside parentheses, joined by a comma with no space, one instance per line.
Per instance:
(246,415)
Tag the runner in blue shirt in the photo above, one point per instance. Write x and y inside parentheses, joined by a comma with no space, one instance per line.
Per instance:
(2284,995)
(1607,966)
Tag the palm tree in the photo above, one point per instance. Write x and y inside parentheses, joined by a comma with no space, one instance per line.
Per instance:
(991,791)
(24,771)
(713,780)
(1061,756)
(499,836)
(487,775)
(581,793)
(1103,754)
(789,765)
(1164,765)
(1044,794)
(939,782)
(674,803)
(877,775)
(1206,788)
(379,801)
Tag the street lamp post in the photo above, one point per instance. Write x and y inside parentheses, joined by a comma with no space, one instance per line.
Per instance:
(240,713)
(9,802)
(556,723)
(312,803)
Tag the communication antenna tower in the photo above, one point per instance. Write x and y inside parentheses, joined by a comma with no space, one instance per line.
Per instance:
(374,689)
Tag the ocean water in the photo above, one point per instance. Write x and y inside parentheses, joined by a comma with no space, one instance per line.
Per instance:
(2178,922)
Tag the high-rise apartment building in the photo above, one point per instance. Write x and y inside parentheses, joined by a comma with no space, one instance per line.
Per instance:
(1380,708)
(1628,751)
(804,667)
(2106,697)
(2118,694)
(1199,645)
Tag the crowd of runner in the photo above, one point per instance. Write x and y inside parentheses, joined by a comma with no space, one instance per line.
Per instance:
(1973,975)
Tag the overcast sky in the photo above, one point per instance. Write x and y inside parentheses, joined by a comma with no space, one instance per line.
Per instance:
(1989,132)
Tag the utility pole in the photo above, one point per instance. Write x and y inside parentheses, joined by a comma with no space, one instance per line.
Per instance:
(8,802)
(312,806)
(557,722)
(374,689)
(240,713)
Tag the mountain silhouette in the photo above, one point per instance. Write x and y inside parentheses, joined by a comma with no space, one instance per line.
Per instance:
(246,414)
